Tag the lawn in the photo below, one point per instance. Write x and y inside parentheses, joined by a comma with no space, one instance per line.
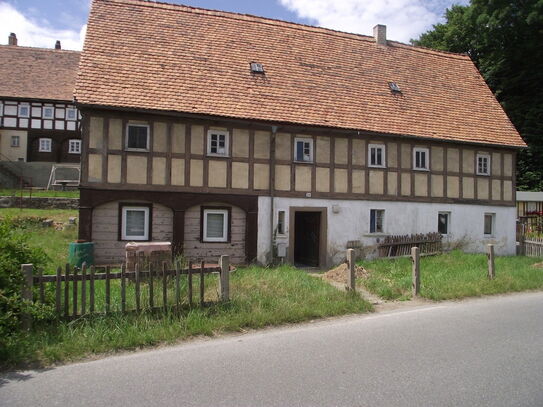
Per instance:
(259,297)
(452,275)
(39,193)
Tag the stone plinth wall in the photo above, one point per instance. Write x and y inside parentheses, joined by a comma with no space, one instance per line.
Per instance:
(39,203)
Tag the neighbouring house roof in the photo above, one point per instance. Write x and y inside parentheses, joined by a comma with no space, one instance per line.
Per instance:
(37,73)
(529,196)
(163,57)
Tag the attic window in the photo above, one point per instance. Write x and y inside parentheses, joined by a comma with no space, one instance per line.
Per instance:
(394,87)
(257,67)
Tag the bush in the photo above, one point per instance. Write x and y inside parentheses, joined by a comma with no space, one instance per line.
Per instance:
(14,251)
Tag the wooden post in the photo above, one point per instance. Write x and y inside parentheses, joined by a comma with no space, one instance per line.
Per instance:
(26,269)
(91,290)
(74,292)
(123,288)
(66,291)
(164,287)
(189,283)
(177,287)
(490,256)
(108,290)
(202,287)
(415,258)
(83,288)
(224,280)
(351,280)
(151,290)
(137,286)
(57,290)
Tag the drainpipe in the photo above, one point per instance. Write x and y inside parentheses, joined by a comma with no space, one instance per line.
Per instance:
(272,187)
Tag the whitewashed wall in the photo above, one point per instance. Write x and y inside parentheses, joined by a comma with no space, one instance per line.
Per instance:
(352,223)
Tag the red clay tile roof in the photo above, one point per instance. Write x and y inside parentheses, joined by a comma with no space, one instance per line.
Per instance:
(157,56)
(37,73)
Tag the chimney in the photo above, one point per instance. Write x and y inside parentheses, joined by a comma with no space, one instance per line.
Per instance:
(12,39)
(380,34)
(57,45)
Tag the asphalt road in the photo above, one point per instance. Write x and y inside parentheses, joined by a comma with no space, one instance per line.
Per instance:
(485,352)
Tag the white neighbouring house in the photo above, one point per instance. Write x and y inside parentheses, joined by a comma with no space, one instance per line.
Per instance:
(240,135)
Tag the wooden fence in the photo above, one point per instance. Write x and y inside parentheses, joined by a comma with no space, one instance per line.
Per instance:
(532,246)
(396,246)
(75,290)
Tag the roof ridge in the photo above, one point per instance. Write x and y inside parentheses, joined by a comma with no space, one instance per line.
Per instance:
(16,47)
(283,23)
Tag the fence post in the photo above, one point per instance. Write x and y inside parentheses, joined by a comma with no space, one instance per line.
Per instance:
(26,269)
(415,258)
(490,256)
(351,282)
(224,281)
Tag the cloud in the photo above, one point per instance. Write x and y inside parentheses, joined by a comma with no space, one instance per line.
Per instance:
(405,19)
(33,33)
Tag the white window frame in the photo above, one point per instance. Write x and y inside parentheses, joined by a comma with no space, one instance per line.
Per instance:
(226,135)
(223,212)
(27,111)
(16,144)
(71,109)
(381,147)
(73,142)
(124,235)
(382,231)
(44,116)
(48,142)
(482,156)
(281,223)
(311,148)
(128,125)
(492,225)
(426,152)
(448,222)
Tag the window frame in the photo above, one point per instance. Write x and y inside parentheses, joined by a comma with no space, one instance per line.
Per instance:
(127,133)
(382,147)
(492,224)
(488,163)
(52,112)
(426,152)
(148,227)
(281,223)
(24,116)
(311,149)
(40,149)
(227,224)
(70,141)
(382,231)
(226,135)
(17,144)
(71,109)
(448,213)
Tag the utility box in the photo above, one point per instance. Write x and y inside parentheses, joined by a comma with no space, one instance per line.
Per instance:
(146,253)
(281,250)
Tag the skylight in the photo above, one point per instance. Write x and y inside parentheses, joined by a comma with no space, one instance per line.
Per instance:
(257,67)
(394,87)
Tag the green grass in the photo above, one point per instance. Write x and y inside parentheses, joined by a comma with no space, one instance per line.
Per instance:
(453,275)
(39,193)
(259,297)
(53,242)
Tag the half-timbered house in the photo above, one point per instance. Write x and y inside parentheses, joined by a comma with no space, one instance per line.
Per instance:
(234,134)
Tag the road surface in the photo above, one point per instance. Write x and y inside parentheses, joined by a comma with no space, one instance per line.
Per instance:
(483,352)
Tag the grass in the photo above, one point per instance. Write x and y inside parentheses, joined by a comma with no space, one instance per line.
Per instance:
(260,297)
(39,193)
(452,276)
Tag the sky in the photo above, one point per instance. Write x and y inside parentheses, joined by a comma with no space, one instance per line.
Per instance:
(39,23)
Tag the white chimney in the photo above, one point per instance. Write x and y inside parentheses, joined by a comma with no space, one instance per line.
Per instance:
(380,34)
(12,39)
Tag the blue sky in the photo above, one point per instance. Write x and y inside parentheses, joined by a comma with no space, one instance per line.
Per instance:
(41,22)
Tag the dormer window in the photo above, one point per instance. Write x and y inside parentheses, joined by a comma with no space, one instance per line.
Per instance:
(257,68)
(217,143)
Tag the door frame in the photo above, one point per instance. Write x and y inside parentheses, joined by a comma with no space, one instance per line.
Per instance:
(323,238)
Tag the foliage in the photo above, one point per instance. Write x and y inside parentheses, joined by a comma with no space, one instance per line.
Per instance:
(453,275)
(503,38)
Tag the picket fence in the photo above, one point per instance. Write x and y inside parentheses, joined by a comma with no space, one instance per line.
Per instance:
(401,245)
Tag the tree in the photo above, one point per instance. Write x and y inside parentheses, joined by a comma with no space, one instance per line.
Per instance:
(504,38)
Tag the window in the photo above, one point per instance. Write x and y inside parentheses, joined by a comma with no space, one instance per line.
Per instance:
(377,217)
(24,111)
(47,112)
(483,164)
(489,224)
(215,225)
(281,222)
(376,155)
(443,222)
(420,158)
(15,141)
(303,149)
(137,137)
(217,142)
(135,223)
(44,145)
(74,147)
(71,114)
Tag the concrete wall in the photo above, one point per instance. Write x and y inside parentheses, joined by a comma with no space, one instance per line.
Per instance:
(39,202)
(352,223)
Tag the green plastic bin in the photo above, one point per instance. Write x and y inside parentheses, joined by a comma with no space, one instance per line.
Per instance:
(79,253)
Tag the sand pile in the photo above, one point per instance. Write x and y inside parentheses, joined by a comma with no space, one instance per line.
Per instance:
(339,274)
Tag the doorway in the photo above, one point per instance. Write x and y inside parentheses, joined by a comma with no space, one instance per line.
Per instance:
(308,237)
